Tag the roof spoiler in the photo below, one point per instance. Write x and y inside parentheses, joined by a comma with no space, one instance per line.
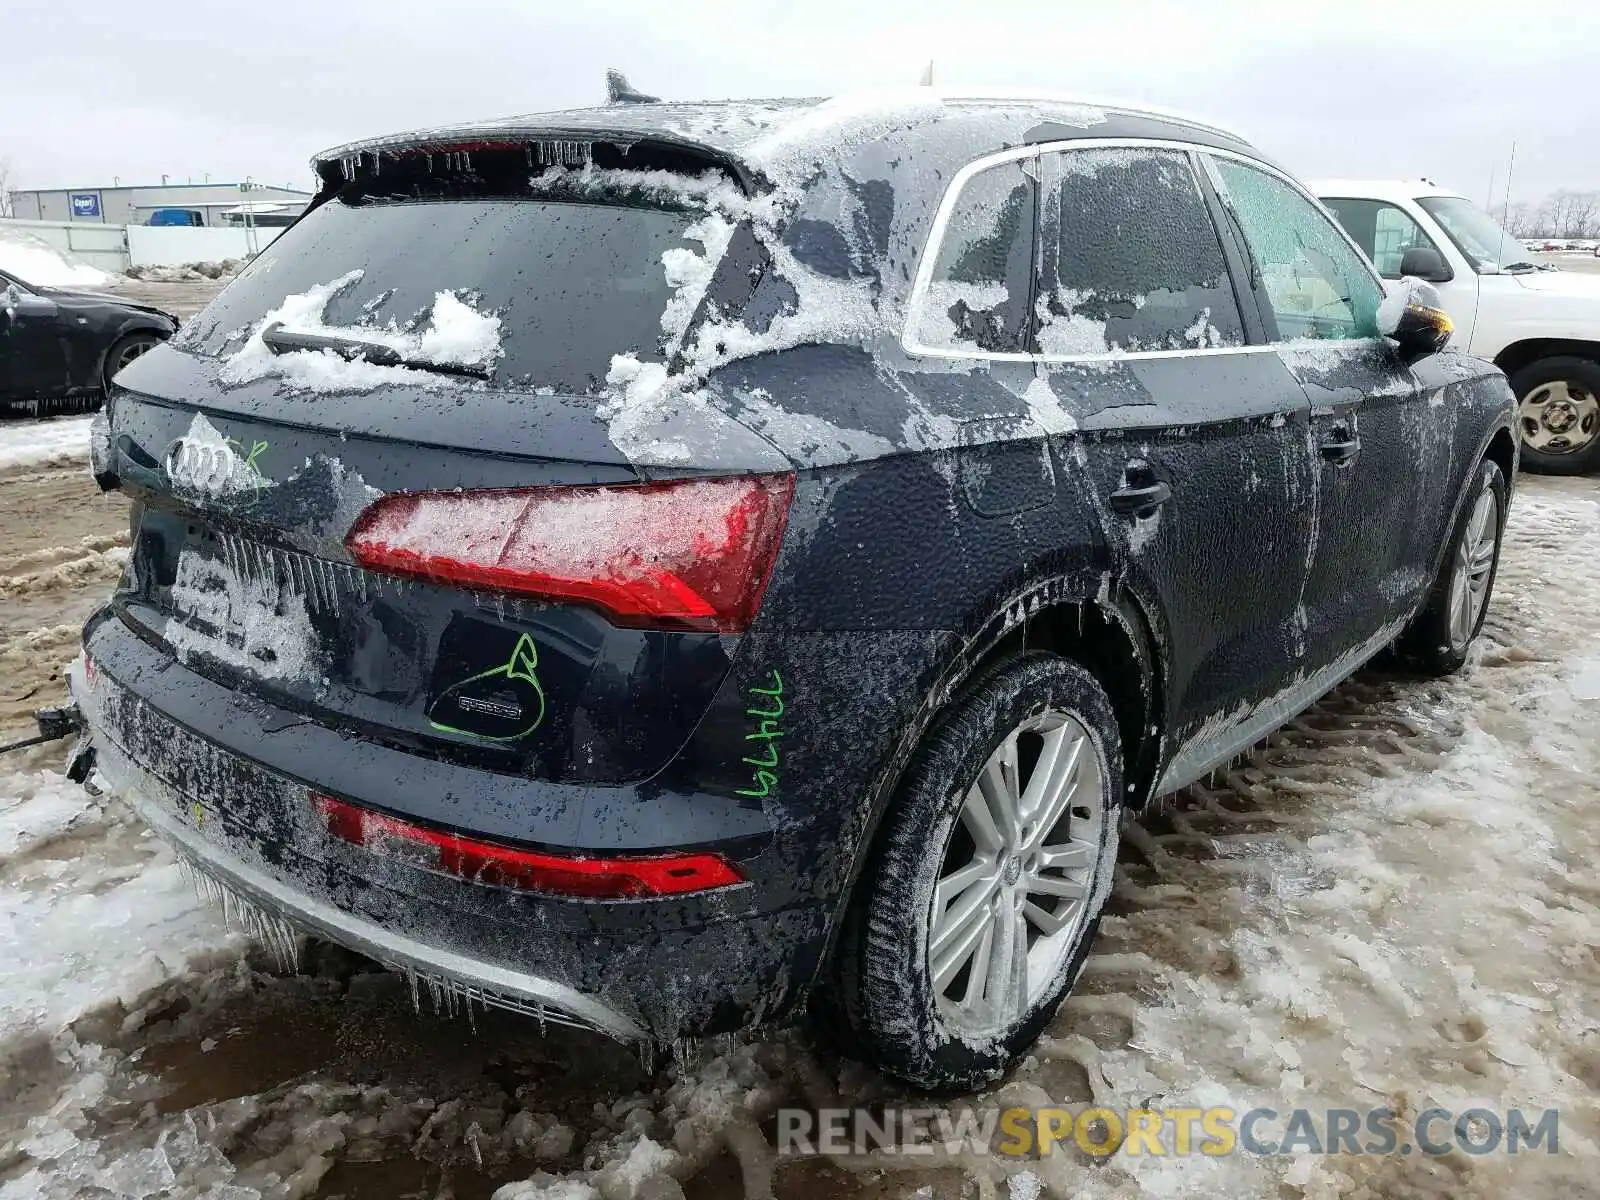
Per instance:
(535,146)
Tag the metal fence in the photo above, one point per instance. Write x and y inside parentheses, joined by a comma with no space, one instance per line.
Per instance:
(115,248)
(103,246)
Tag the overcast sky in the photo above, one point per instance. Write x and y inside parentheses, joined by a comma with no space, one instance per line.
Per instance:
(97,89)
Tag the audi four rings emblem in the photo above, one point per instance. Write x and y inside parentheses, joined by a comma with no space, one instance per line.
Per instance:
(211,469)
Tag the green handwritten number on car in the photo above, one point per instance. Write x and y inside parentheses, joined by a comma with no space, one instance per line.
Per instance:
(767,732)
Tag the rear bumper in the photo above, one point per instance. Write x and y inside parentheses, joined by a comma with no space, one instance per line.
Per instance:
(226,780)
(504,987)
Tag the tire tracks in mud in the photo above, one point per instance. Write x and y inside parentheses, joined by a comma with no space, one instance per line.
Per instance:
(1294,928)
(96,560)
(63,546)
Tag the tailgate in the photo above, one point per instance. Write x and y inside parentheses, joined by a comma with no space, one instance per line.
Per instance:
(239,567)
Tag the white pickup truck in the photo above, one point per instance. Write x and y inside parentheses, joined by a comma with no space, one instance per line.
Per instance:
(1539,325)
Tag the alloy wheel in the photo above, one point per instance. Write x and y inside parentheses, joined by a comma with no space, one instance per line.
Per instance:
(131,351)
(1018,874)
(1474,566)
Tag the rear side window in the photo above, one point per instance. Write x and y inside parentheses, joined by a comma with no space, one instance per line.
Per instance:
(977,293)
(1383,230)
(573,283)
(1132,258)
(1316,284)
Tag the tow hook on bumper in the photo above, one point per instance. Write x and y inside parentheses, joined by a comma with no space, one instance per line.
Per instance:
(55,724)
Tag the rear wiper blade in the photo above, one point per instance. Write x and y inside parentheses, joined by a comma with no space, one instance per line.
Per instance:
(283,341)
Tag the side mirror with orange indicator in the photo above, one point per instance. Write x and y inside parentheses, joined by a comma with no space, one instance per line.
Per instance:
(1411,317)
(1421,331)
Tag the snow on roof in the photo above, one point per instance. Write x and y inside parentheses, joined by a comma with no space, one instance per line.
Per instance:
(261,208)
(753,130)
(33,260)
(1378,189)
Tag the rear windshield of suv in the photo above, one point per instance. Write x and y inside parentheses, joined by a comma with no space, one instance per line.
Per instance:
(573,283)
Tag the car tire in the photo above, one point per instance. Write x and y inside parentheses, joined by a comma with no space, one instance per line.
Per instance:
(1439,639)
(1019,873)
(123,351)
(1558,415)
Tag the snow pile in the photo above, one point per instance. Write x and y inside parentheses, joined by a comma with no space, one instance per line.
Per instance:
(33,260)
(647,1146)
(91,561)
(231,474)
(187,272)
(78,931)
(710,191)
(729,122)
(454,333)
(34,443)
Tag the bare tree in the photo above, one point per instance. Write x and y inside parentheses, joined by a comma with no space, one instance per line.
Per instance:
(1583,215)
(1563,214)
(1518,219)
(1552,214)
(7,179)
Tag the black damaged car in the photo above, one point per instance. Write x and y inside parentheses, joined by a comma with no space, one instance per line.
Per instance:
(657,565)
(60,348)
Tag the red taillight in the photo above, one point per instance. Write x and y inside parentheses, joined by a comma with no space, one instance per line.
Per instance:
(528,870)
(690,554)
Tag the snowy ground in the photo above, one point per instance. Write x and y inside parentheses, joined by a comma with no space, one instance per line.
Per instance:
(33,443)
(1391,901)
(1572,260)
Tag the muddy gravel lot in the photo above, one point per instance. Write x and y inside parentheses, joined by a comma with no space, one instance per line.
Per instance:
(1392,901)
(182,298)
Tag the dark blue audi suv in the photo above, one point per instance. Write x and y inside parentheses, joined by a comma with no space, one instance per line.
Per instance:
(657,565)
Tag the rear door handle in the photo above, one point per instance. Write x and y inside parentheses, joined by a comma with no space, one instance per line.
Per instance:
(1141,500)
(1341,449)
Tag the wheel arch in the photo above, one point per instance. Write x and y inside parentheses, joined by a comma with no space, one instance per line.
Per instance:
(1519,354)
(1503,450)
(1500,446)
(1108,634)
(1082,614)
(138,323)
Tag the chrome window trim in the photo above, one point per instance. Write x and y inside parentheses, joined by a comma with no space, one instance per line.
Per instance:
(1197,152)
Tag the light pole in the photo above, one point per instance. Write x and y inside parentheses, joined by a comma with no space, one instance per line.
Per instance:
(250,244)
